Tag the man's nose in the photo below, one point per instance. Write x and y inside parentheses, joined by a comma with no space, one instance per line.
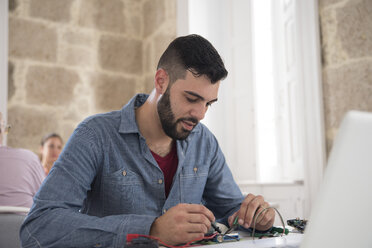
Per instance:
(198,112)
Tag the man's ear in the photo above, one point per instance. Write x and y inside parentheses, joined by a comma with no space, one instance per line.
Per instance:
(161,81)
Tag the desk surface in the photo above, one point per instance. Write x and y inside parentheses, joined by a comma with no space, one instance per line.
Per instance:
(292,240)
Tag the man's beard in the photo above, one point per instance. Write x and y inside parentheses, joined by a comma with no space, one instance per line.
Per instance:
(167,119)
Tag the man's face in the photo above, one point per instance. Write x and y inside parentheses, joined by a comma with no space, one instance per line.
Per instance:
(185,103)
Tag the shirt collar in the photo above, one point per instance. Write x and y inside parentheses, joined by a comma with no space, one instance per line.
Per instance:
(128,123)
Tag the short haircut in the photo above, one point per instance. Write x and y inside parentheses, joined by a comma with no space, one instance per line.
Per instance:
(195,54)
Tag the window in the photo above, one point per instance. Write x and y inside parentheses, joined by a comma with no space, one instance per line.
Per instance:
(268,165)
(269,119)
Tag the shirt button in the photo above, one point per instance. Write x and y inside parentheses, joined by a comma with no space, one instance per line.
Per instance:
(124,173)
(195,169)
(164,210)
(160,181)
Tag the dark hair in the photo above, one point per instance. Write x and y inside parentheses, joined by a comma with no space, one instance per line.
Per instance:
(48,136)
(195,54)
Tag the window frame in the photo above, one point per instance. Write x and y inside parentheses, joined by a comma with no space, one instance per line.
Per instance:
(4,61)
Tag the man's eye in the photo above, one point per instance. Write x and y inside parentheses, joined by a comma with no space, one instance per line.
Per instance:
(191,100)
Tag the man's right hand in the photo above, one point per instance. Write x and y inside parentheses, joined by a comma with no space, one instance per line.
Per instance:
(182,223)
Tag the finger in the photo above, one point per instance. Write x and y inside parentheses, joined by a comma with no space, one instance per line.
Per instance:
(193,236)
(200,209)
(196,228)
(186,237)
(268,219)
(251,210)
(261,212)
(243,208)
(199,219)
(231,219)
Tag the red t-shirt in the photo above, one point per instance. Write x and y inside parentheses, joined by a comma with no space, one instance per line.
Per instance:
(168,165)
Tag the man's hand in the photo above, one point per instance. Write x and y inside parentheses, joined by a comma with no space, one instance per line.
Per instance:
(182,223)
(250,206)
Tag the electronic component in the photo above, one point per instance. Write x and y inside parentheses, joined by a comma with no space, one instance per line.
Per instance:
(297,223)
(219,238)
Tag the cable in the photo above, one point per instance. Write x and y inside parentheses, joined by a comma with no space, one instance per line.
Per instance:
(130,237)
(258,214)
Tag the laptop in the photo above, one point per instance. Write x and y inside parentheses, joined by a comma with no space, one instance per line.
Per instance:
(342,213)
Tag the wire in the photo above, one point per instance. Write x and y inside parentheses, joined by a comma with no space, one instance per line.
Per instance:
(130,237)
(263,210)
(233,226)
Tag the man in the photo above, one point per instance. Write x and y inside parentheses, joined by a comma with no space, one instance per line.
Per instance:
(150,168)
(21,174)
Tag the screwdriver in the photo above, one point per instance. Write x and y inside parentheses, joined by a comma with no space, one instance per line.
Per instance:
(215,227)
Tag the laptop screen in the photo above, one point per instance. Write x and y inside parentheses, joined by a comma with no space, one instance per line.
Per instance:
(341,215)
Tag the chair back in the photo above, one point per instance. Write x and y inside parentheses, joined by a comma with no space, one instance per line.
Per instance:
(11,219)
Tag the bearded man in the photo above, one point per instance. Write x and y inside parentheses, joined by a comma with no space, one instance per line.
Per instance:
(150,168)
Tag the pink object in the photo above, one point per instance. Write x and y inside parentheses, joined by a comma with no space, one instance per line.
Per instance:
(21,175)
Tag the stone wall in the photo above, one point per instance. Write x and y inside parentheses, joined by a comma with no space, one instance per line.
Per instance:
(346,30)
(73,58)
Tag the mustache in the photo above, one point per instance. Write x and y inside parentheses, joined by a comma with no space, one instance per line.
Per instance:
(191,119)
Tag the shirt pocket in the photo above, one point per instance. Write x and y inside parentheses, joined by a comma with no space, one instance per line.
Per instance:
(192,183)
(123,192)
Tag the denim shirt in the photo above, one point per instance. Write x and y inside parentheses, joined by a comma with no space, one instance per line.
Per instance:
(106,184)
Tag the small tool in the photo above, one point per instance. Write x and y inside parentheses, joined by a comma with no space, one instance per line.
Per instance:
(215,227)
(233,226)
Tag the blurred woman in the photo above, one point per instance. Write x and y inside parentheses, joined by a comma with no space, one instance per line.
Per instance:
(51,147)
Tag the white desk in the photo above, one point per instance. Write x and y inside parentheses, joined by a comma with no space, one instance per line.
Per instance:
(292,240)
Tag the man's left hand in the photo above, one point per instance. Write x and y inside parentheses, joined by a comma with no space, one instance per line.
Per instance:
(251,206)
